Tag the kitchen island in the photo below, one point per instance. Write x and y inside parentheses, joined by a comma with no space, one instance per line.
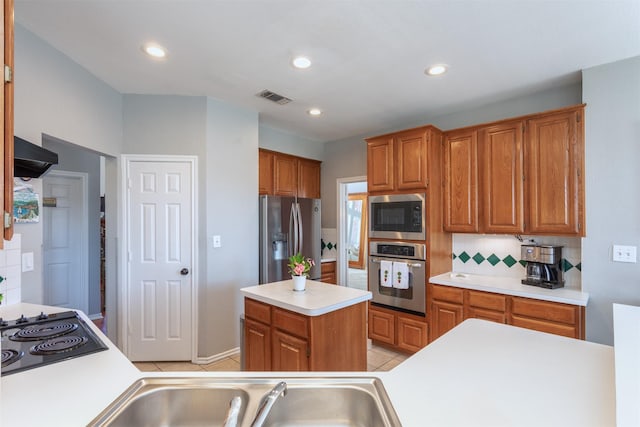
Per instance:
(479,374)
(322,328)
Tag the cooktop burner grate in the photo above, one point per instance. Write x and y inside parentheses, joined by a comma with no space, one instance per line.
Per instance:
(10,356)
(43,331)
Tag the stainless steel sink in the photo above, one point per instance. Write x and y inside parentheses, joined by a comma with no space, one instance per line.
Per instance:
(351,401)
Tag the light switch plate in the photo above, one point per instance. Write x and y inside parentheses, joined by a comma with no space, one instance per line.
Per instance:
(217,241)
(625,253)
(27,262)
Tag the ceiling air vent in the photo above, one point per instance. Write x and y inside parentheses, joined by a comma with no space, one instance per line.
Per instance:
(272,96)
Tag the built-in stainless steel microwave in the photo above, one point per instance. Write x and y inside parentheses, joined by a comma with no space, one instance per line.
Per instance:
(397,216)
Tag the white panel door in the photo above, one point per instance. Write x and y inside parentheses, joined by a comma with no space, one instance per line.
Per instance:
(64,255)
(160,281)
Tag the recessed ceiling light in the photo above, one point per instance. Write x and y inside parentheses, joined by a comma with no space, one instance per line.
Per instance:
(301,62)
(436,70)
(314,112)
(154,50)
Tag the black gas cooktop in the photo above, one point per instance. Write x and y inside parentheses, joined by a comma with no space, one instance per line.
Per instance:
(31,342)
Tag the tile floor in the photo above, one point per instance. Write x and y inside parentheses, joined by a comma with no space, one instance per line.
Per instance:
(378,359)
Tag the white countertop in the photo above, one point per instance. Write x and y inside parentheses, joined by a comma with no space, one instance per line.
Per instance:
(478,374)
(510,286)
(68,393)
(318,298)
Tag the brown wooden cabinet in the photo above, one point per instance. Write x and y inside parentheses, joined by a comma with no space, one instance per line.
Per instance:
(282,340)
(6,167)
(402,331)
(447,307)
(501,155)
(286,175)
(461,181)
(555,318)
(530,176)
(555,179)
(265,171)
(451,305)
(400,161)
(328,272)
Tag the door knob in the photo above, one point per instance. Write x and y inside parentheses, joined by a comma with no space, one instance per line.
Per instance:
(184,271)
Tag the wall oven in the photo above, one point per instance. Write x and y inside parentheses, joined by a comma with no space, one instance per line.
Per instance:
(397,216)
(386,261)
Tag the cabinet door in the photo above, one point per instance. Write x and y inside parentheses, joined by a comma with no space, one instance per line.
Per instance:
(257,346)
(461,182)
(412,334)
(554,161)
(265,172)
(289,353)
(285,175)
(328,272)
(501,161)
(411,158)
(6,170)
(308,179)
(381,326)
(444,317)
(380,165)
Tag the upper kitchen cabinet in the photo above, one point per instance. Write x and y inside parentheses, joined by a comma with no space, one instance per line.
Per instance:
(6,168)
(527,178)
(308,179)
(265,171)
(399,161)
(555,178)
(501,156)
(286,175)
(461,181)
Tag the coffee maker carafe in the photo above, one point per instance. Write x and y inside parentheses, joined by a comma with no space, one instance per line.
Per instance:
(544,267)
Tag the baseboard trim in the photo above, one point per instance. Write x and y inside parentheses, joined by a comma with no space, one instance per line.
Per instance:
(216,357)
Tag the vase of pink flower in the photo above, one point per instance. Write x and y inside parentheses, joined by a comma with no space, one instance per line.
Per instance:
(299,267)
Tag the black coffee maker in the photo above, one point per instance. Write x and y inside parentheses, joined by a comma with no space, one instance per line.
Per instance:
(544,267)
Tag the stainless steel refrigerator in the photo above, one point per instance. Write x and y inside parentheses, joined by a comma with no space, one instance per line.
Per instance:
(288,225)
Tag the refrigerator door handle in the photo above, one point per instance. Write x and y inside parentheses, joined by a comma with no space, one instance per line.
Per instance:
(291,240)
(300,228)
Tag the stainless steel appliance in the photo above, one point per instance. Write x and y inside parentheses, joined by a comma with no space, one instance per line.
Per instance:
(397,216)
(31,342)
(544,267)
(287,226)
(412,299)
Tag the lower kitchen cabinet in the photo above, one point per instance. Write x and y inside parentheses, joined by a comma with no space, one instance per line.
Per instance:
(450,306)
(555,318)
(282,340)
(398,330)
(328,272)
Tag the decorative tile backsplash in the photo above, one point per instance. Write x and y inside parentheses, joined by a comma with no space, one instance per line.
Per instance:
(11,270)
(329,243)
(500,255)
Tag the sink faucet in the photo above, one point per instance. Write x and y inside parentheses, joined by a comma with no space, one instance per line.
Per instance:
(267,403)
(234,410)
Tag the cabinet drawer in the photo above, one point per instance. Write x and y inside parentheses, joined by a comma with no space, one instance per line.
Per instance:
(487,300)
(447,293)
(294,323)
(257,311)
(550,311)
(549,327)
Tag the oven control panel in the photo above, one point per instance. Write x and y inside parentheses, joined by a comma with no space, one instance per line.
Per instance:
(398,249)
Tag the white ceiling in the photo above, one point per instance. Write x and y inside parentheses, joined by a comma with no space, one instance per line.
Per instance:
(368,56)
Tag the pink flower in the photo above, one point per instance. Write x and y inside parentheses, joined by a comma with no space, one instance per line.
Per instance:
(299,269)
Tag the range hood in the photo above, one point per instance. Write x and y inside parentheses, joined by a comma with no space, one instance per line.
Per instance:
(30,160)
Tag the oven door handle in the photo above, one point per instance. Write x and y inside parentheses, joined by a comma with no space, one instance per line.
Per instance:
(410,264)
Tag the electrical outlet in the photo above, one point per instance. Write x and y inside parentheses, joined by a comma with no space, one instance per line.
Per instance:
(217,242)
(625,253)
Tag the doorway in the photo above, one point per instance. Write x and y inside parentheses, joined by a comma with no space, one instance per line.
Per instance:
(352,232)
(159,267)
(65,240)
